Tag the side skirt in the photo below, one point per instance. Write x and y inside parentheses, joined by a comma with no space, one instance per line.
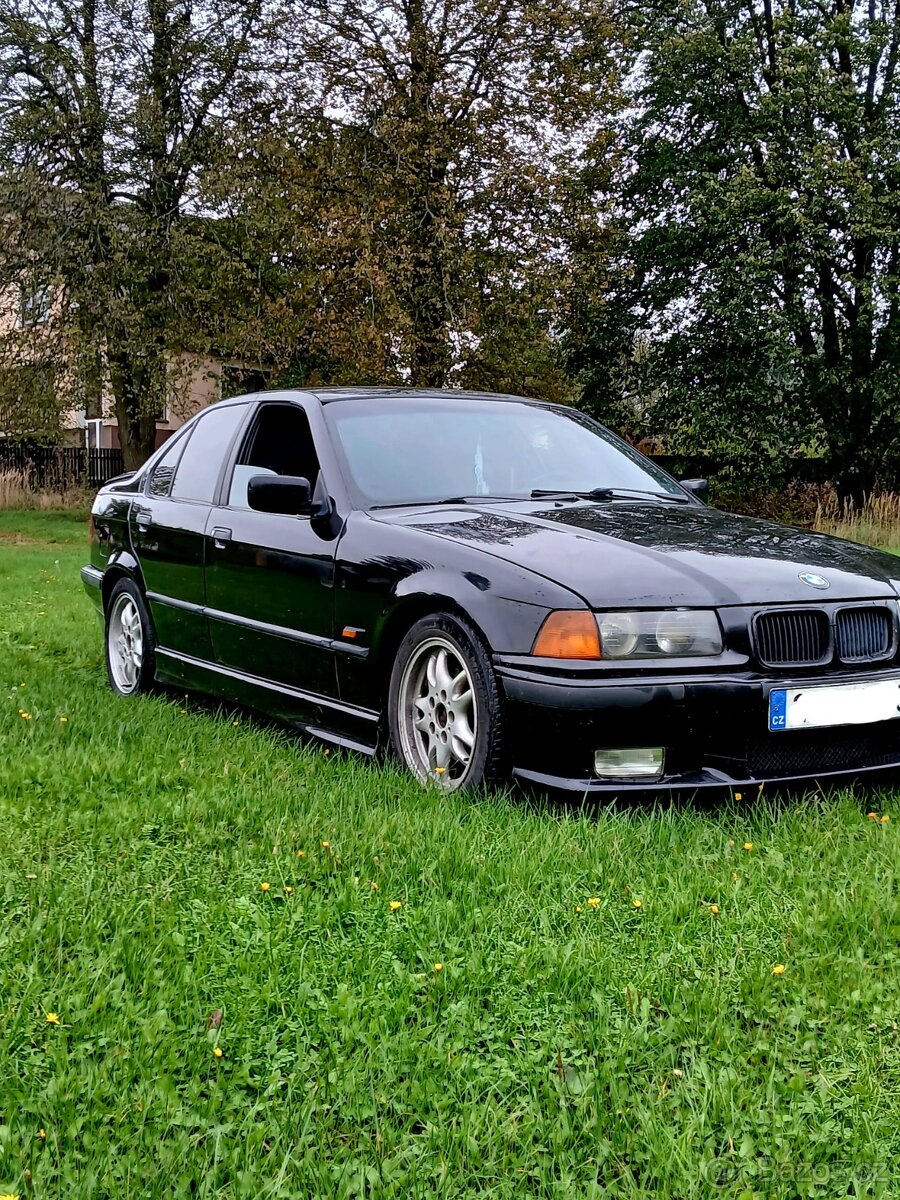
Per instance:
(344,725)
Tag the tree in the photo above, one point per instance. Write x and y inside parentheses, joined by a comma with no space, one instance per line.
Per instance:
(455,121)
(109,115)
(758,236)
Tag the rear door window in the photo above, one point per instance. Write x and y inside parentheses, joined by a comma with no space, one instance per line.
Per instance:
(197,474)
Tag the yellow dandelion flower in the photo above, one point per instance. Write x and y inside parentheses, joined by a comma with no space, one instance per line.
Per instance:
(578,908)
(748,846)
(63,720)
(779,969)
(636,904)
(593,902)
(734,876)
(714,909)
(234,724)
(326,845)
(885,819)
(264,887)
(218,1051)
(439,967)
(301,854)
(439,770)
(395,904)
(327,752)
(42,1134)
(873,816)
(52,1018)
(25,716)
(738,795)
(289,891)
(9,1196)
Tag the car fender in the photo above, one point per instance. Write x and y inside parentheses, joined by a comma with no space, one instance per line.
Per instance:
(508,622)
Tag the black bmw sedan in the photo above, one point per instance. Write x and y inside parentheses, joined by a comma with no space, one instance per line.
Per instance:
(490,586)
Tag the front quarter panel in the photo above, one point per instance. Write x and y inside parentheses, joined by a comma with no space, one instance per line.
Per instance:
(388,576)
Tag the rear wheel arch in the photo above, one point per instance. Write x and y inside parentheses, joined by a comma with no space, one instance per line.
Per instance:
(111,576)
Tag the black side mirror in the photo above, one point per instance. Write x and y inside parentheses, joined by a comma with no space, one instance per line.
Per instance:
(697,487)
(289,495)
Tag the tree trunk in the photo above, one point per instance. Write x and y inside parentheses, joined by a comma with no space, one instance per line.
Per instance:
(430,357)
(855,461)
(137,389)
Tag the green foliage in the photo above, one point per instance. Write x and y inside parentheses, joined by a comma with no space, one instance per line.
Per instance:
(758,237)
(335,192)
(564,1049)
(108,116)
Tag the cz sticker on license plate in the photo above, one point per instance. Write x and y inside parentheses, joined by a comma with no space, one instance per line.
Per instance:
(837,704)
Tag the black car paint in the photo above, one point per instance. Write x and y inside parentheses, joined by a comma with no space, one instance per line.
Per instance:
(258,616)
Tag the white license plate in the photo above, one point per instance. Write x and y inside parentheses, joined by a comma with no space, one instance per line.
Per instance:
(835,704)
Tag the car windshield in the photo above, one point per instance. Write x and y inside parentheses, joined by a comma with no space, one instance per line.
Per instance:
(411,450)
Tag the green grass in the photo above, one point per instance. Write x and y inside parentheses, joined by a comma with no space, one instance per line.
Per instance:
(564,1050)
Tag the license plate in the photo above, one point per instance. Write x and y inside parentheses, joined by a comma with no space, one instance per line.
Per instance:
(836,704)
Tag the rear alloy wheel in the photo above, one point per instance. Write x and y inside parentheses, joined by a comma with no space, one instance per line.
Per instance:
(130,645)
(444,710)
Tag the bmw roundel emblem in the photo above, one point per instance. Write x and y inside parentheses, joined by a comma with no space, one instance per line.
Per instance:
(816,581)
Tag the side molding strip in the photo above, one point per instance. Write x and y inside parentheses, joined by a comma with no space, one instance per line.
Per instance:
(282,631)
(351,710)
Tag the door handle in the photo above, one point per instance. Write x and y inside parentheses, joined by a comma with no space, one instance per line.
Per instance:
(143,518)
(221,537)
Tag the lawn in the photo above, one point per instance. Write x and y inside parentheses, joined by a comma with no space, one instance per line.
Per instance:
(236,965)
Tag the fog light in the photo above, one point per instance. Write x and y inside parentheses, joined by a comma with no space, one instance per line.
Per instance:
(646,763)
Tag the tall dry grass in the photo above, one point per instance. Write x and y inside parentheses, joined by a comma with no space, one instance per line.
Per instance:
(876,522)
(16,492)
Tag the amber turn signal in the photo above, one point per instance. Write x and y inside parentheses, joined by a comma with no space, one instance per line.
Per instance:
(567,634)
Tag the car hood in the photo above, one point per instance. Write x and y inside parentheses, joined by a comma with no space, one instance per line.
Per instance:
(621,553)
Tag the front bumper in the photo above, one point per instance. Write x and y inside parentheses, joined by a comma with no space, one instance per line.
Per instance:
(714,728)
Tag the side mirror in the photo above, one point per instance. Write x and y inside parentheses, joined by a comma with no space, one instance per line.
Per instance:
(288,495)
(697,487)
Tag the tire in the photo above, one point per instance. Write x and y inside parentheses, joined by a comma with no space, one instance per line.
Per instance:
(129,641)
(444,712)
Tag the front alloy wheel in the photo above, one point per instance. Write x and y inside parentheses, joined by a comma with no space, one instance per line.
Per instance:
(444,711)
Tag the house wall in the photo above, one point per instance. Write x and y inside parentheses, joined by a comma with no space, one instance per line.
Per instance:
(195,381)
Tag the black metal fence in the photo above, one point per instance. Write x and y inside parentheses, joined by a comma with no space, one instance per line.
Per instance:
(60,468)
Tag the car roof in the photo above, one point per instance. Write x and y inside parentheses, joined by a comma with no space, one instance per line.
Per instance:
(329,395)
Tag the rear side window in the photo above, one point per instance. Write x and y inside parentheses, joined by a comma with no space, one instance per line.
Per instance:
(198,471)
(164,472)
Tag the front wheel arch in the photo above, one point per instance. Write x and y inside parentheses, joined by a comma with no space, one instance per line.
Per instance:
(401,621)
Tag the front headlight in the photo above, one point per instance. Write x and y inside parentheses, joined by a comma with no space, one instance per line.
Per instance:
(675,633)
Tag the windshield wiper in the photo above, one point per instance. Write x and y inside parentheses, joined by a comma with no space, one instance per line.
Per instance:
(605,493)
(446,500)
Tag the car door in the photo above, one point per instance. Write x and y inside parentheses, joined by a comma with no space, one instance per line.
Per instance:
(167,525)
(269,577)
